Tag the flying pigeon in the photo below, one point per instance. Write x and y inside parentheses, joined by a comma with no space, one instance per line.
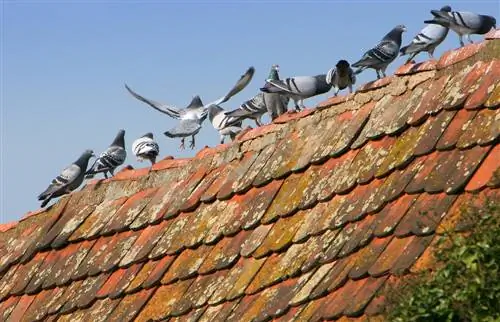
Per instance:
(111,158)
(380,56)
(145,148)
(192,116)
(427,40)
(341,77)
(69,179)
(298,88)
(254,108)
(463,22)
(222,122)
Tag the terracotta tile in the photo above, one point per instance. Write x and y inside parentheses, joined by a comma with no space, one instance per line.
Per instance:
(340,182)
(494,98)
(200,291)
(185,191)
(423,169)
(311,311)
(411,253)
(485,171)
(128,212)
(393,115)
(247,210)
(286,155)
(375,84)
(65,270)
(245,183)
(210,194)
(173,227)
(220,312)
(150,276)
(390,256)
(255,239)
(131,174)
(287,199)
(224,253)
(21,307)
(492,34)
(438,125)
(7,306)
(481,91)
(315,222)
(428,101)
(42,273)
(260,131)
(376,306)
(455,129)
(7,226)
(366,257)
(363,233)
(100,311)
(338,301)
(94,223)
(409,69)
(238,173)
(426,263)
(266,276)
(402,152)
(191,316)
(452,174)
(86,294)
(58,298)
(291,314)
(425,214)
(322,188)
(193,200)
(389,217)
(457,55)
(280,236)
(222,214)
(158,307)
(236,281)
(120,244)
(186,264)
(312,252)
(292,115)
(336,277)
(110,284)
(144,243)
(333,215)
(8,281)
(169,163)
(331,101)
(23,274)
(484,129)
(325,140)
(369,157)
(129,307)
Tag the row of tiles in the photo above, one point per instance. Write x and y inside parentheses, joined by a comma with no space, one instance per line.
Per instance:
(288,247)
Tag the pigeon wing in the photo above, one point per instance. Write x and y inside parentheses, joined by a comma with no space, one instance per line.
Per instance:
(61,182)
(183,129)
(167,109)
(238,87)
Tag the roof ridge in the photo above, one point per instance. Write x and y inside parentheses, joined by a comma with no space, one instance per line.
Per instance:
(342,104)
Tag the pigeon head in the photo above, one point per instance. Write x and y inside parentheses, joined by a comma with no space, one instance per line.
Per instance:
(275,67)
(395,34)
(342,67)
(273,74)
(213,111)
(195,102)
(446,9)
(119,139)
(83,160)
(148,135)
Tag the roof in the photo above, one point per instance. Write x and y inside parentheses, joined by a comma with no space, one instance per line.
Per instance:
(306,218)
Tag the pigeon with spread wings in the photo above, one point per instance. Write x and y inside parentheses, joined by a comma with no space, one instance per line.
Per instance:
(192,116)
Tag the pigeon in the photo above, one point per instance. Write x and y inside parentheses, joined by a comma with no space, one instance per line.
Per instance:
(341,76)
(380,56)
(257,106)
(111,158)
(427,40)
(145,148)
(222,122)
(298,88)
(463,23)
(69,179)
(192,116)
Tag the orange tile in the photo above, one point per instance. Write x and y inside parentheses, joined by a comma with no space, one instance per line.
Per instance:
(364,296)
(429,100)
(257,236)
(457,126)
(457,55)
(485,171)
(169,163)
(131,174)
(129,307)
(484,129)
(143,274)
(481,92)
(389,256)
(253,173)
(366,257)
(186,264)
(410,68)
(375,84)
(494,98)
(292,115)
(21,307)
(224,253)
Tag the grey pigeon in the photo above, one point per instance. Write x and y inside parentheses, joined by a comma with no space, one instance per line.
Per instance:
(111,158)
(299,88)
(341,77)
(257,106)
(192,116)
(380,56)
(427,39)
(463,23)
(226,125)
(69,179)
(145,148)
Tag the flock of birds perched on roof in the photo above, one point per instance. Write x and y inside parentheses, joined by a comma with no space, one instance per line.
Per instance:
(273,98)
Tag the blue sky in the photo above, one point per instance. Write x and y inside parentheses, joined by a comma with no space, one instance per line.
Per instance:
(64,64)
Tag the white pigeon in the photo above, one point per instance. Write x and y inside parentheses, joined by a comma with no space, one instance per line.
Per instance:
(145,148)
(426,40)
(192,116)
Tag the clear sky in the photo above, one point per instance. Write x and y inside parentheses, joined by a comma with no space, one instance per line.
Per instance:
(64,64)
